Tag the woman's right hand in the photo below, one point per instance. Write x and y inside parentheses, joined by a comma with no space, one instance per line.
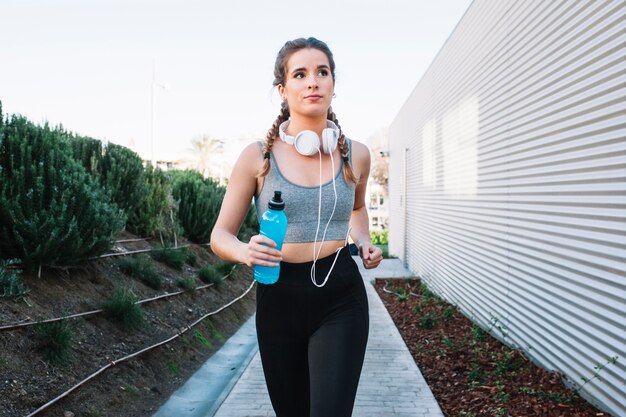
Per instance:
(261,250)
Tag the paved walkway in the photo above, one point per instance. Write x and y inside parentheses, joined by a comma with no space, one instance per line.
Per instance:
(391,384)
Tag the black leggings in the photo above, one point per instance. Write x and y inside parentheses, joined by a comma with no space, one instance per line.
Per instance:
(312,340)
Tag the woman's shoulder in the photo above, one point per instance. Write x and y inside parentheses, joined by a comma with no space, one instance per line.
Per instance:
(360,152)
(251,156)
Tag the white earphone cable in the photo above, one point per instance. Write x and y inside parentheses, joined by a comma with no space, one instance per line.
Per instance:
(319,215)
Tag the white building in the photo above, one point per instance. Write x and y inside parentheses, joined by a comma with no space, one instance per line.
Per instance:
(508,182)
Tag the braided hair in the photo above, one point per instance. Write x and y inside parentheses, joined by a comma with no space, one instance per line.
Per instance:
(280,67)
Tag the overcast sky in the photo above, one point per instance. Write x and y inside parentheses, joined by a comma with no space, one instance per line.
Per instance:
(88,64)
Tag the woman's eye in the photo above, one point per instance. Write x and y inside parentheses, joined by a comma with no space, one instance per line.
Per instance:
(298,75)
(323,72)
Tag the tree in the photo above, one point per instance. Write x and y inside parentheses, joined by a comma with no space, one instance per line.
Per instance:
(207,155)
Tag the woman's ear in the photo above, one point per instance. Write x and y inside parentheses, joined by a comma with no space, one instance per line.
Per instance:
(281,91)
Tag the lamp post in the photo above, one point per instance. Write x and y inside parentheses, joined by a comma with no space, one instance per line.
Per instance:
(155,84)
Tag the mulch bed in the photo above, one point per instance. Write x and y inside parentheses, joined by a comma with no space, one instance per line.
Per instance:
(471,373)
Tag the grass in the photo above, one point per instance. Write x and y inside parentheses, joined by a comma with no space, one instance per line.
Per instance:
(197,334)
(215,332)
(142,269)
(55,341)
(173,257)
(224,268)
(210,275)
(11,285)
(187,283)
(173,368)
(123,308)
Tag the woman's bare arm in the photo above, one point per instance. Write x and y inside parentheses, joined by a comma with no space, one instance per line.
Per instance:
(239,193)
(359,221)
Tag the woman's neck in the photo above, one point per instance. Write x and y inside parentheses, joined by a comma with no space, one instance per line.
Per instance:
(298,124)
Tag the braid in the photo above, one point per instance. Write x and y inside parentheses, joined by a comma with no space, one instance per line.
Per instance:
(270,137)
(344,150)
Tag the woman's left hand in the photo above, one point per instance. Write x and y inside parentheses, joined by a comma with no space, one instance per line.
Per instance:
(371,255)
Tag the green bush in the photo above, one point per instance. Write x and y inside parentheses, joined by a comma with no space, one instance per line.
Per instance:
(11,285)
(51,211)
(210,275)
(155,213)
(379,237)
(142,269)
(224,268)
(170,256)
(187,283)
(55,340)
(199,201)
(123,307)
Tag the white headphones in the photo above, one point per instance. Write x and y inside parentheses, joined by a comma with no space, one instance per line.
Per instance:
(307,141)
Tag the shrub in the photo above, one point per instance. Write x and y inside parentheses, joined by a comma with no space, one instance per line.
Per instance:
(55,340)
(156,212)
(51,210)
(199,201)
(142,269)
(224,268)
(210,275)
(117,169)
(123,307)
(11,285)
(379,237)
(170,256)
(187,283)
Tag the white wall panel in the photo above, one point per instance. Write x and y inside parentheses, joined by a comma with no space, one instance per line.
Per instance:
(512,204)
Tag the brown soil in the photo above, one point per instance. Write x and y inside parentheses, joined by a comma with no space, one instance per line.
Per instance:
(470,376)
(136,387)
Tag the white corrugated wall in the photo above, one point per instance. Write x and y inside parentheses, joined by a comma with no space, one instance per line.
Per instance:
(508,181)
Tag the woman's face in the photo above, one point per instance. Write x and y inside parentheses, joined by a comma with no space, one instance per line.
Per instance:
(309,84)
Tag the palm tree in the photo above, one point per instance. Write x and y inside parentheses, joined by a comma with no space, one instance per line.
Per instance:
(207,153)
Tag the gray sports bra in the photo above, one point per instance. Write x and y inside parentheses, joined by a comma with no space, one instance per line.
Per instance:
(302,203)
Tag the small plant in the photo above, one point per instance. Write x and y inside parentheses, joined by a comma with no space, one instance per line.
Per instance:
(476,373)
(401,294)
(450,344)
(224,268)
(448,313)
(187,283)
(173,368)
(123,307)
(131,390)
(464,413)
(428,321)
(417,309)
(599,367)
(215,332)
(142,269)
(559,397)
(501,395)
(11,285)
(427,294)
(55,340)
(506,363)
(170,256)
(190,257)
(478,333)
(210,275)
(197,334)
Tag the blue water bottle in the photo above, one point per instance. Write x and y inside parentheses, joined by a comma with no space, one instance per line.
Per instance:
(274,226)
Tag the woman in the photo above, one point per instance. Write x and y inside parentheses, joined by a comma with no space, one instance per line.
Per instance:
(312,325)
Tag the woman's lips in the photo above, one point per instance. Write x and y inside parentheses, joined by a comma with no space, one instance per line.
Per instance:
(313,97)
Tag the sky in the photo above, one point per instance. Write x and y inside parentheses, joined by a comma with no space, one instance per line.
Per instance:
(88,64)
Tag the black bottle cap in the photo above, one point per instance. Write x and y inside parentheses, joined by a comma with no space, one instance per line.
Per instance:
(277,203)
